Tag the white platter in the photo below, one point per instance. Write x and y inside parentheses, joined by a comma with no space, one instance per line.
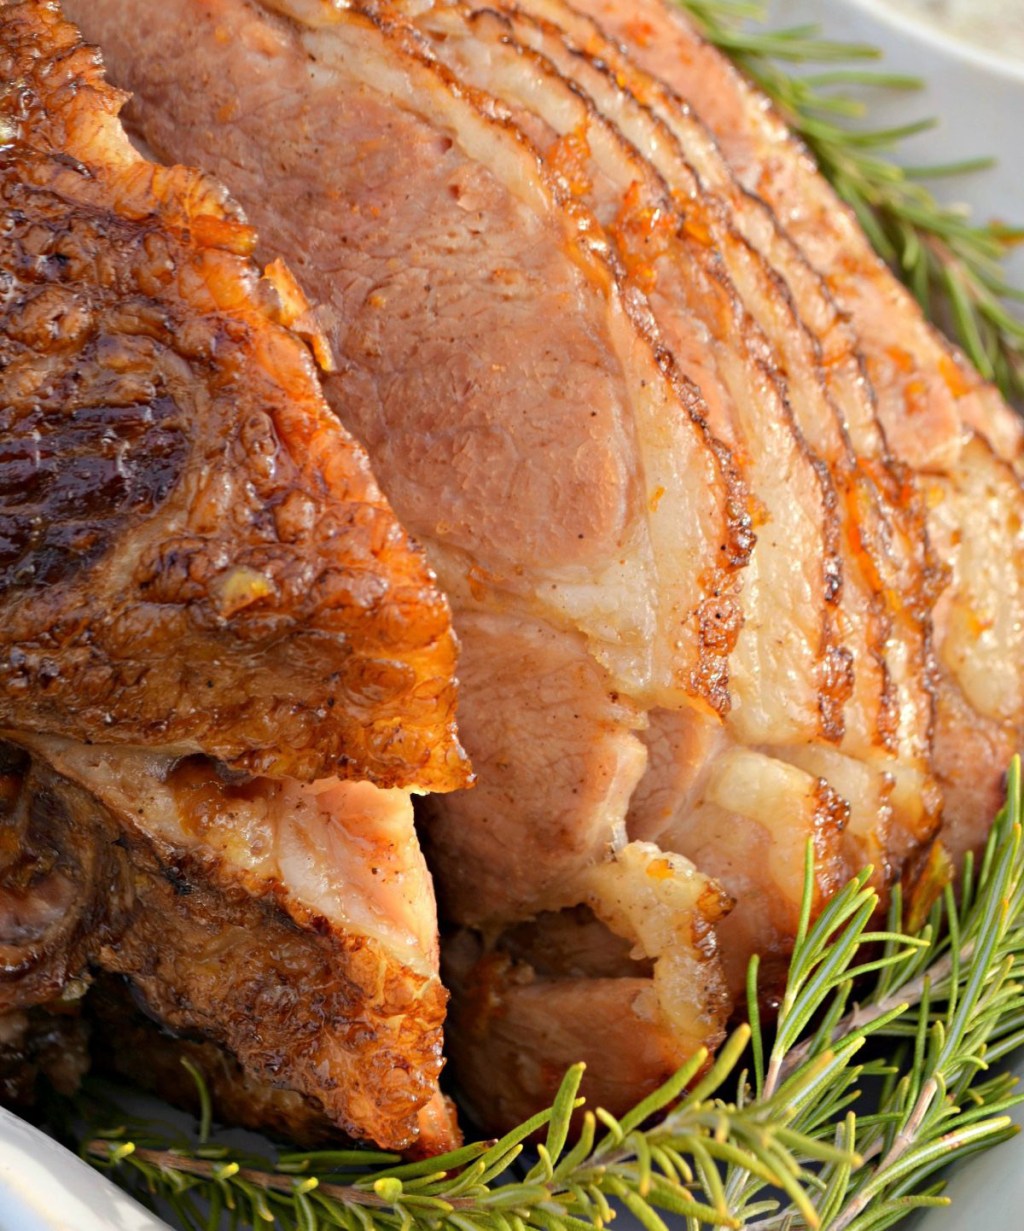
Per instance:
(44,1187)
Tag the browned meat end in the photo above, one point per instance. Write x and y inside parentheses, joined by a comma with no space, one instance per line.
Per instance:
(194,553)
(188,888)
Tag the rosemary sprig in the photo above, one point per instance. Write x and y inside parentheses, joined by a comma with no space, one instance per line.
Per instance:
(953,267)
(716,1153)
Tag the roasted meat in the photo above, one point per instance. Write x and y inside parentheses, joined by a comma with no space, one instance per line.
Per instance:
(725,527)
(291,925)
(172,477)
(224,664)
(589,587)
(694,615)
(938,416)
(150,1056)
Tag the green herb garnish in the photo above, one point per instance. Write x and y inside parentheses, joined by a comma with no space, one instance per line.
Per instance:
(787,1143)
(954,267)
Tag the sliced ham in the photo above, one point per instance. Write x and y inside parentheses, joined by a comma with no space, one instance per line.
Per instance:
(731,538)
(939,417)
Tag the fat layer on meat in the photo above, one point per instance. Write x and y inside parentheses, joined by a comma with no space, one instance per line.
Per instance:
(289,924)
(630,411)
(939,417)
(202,585)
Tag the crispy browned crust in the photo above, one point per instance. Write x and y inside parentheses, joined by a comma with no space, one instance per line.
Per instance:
(193,551)
(302,1006)
(150,1056)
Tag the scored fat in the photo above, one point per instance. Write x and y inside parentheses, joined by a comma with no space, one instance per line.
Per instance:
(656,451)
(939,417)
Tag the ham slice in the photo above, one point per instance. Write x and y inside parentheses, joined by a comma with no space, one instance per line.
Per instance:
(939,417)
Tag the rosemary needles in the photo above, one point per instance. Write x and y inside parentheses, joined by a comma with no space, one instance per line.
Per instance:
(782,1115)
(953,266)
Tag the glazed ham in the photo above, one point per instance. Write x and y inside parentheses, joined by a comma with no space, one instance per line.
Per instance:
(722,523)
(939,417)
(225,665)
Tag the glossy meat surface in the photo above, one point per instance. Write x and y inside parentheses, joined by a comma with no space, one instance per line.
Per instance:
(715,510)
(193,553)
(937,414)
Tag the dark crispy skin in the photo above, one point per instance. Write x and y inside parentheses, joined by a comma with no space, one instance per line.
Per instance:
(193,552)
(43,1048)
(150,1056)
(329,1015)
